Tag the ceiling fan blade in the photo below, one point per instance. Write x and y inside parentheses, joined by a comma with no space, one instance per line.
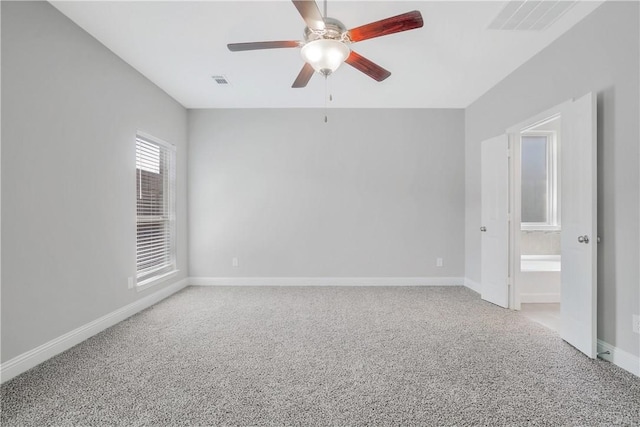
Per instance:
(372,70)
(310,13)
(395,24)
(304,76)
(237,47)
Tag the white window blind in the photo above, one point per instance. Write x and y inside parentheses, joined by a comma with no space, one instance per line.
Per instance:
(155,190)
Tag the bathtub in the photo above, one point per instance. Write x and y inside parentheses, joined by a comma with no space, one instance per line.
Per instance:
(539,279)
(540,263)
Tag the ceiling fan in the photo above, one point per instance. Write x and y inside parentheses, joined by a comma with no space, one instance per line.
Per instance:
(326,42)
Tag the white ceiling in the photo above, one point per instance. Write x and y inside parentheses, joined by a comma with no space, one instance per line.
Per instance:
(179,45)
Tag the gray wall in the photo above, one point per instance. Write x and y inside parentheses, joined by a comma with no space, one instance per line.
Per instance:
(372,193)
(600,54)
(71,109)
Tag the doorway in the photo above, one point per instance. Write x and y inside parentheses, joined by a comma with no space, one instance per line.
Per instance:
(524,239)
(569,195)
(538,289)
(568,207)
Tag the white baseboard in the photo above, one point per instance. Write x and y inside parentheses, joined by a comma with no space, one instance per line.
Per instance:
(31,358)
(539,298)
(621,358)
(474,286)
(326,281)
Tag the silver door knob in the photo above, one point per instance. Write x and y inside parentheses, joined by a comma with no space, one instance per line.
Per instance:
(483,228)
(583,239)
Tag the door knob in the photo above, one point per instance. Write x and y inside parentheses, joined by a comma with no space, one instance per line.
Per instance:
(483,228)
(583,239)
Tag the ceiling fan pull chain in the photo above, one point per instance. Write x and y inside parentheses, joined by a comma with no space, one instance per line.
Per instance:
(326,82)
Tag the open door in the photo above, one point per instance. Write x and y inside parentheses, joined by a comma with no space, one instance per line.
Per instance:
(495,221)
(579,225)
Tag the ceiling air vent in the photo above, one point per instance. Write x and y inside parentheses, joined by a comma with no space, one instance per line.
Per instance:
(530,15)
(221,80)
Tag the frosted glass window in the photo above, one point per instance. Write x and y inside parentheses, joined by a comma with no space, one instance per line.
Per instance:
(535,179)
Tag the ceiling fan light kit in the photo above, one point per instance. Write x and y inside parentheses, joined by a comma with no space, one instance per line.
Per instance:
(325,55)
(326,42)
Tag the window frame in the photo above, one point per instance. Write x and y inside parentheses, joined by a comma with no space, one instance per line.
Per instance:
(553,183)
(152,277)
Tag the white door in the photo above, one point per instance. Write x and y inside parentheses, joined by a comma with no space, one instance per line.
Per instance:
(494,228)
(579,224)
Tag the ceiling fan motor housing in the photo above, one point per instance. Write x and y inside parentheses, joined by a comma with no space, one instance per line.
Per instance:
(333,30)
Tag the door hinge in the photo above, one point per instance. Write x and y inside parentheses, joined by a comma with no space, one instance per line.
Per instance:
(509,153)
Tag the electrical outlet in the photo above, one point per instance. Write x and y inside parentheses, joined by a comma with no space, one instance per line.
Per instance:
(130,282)
(636,323)
(439,262)
(235,262)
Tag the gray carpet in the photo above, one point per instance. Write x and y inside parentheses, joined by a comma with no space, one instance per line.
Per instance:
(323,356)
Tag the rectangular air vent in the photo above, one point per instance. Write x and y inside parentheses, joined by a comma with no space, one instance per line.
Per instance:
(530,15)
(221,80)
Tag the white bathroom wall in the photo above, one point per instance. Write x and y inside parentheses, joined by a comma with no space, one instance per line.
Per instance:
(539,242)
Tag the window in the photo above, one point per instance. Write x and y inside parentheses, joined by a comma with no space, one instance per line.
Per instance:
(539,181)
(155,191)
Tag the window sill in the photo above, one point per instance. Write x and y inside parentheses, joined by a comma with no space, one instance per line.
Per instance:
(148,283)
